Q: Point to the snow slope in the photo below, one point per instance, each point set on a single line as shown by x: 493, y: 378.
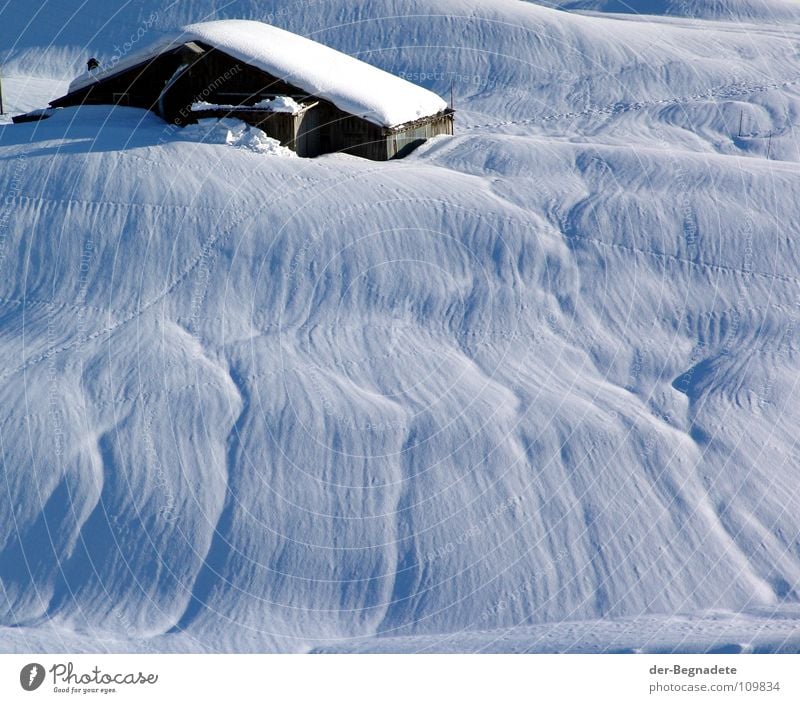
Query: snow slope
x: 531, y: 388
x: 772, y: 11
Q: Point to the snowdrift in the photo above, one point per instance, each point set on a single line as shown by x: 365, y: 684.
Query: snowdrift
x: 532, y: 388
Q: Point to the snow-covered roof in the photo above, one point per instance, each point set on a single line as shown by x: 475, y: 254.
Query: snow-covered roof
x: 352, y: 85
x: 280, y: 103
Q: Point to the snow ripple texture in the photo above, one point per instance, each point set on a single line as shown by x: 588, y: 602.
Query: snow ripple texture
x: 532, y: 388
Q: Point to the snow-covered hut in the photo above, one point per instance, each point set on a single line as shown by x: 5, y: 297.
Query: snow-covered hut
x: 312, y: 98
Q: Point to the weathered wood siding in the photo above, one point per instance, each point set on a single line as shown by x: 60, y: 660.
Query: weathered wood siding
x: 139, y: 86
x: 402, y: 142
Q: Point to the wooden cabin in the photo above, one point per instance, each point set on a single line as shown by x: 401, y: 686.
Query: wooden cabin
x: 313, y: 99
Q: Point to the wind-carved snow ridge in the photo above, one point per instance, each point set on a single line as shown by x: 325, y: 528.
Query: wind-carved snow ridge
x: 209, y: 572
x: 532, y: 388
x: 766, y: 11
